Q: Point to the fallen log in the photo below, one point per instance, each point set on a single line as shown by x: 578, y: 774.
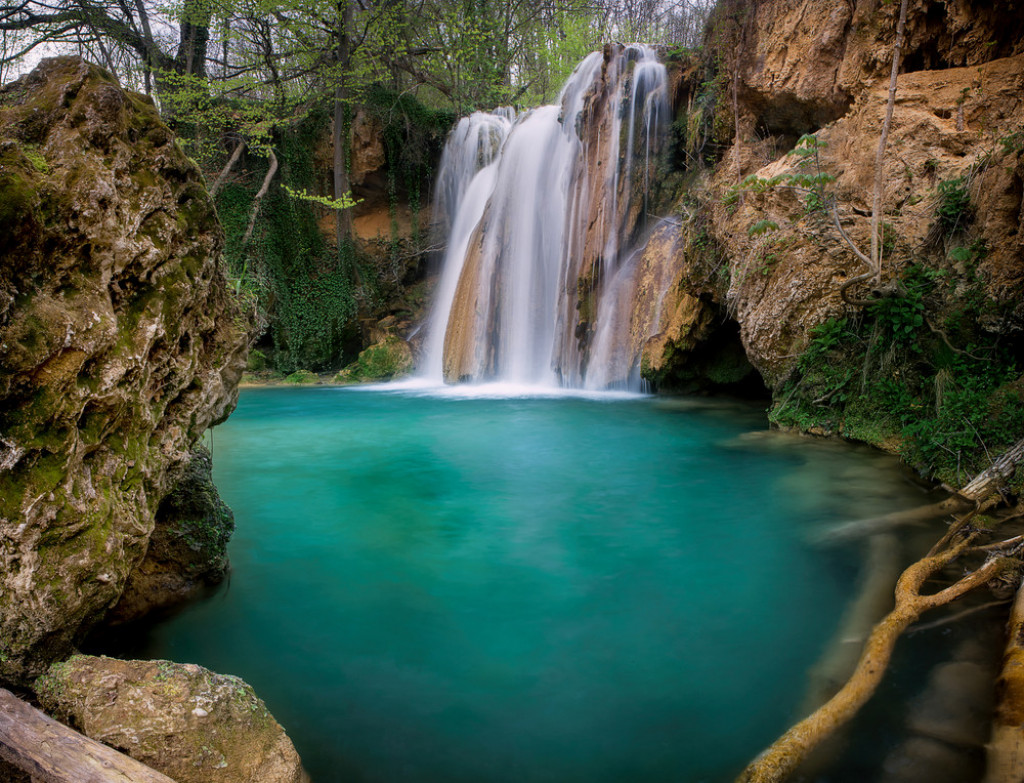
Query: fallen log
x: 879, y: 572
x: 990, y: 481
x: 872, y: 526
x: 52, y: 753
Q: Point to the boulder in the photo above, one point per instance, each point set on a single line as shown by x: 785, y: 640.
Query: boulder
x: 180, y: 719
x: 120, y: 343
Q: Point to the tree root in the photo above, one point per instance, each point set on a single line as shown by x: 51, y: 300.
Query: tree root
x: 780, y: 760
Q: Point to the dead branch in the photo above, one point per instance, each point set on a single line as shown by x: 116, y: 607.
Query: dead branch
x: 259, y: 197
x: 991, y: 480
x: 235, y: 155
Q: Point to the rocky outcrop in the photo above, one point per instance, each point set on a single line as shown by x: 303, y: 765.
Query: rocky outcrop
x: 802, y: 64
x: 690, y: 343
x: 948, y: 124
x: 386, y: 360
x: 119, y: 345
x: 181, y: 719
x: 188, y: 550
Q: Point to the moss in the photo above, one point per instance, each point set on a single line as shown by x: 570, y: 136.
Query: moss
x: 17, y: 201
x: 945, y: 403
x: 384, y: 361
x: 302, y: 377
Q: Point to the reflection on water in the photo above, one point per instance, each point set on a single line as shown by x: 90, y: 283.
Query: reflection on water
x: 613, y: 589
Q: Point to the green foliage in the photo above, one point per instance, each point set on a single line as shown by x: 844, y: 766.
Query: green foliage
x: 345, y: 202
x: 302, y: 285
x: 946, y: 396
x: 1013, y: 143
x: 954, y: 210
x: 257, y: 361
x: 35, y: 157
x: 381, y: 362
x: 825, y: 338
x: 413, y: 135
x: 808, y: 179
x: 302, y: 377
x: 899, y: 318
x: 762, y: 227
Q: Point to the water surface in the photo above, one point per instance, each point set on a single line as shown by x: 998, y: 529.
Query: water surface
x: 432, y: 589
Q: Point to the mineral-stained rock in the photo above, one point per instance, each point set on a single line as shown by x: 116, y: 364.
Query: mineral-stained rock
x: 188, y: 549
x: 803, y: 62
x: 119, y: 345
x: 181, y: 719
x: 948, y: 124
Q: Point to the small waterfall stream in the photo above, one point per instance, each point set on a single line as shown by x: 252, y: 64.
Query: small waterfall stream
x: 543, y: 213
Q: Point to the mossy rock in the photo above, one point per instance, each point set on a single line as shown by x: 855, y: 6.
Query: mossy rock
x: 300, y: 377
x: 194, y: 725
x: 120, y: 342
x: 389, y: 359
x: 188, y: 548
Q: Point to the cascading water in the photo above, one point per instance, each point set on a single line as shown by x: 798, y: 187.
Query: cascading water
x: 541, y: 214
x: 467, y: 176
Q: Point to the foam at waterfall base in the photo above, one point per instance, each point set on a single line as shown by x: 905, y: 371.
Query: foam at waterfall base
x: 492, y: 391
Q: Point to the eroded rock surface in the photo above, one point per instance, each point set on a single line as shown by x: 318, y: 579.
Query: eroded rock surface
x: 947, y: 124
x: 804, y: 63
x: 119, y: 345
x: 181, y: 719
x: 188, y: 550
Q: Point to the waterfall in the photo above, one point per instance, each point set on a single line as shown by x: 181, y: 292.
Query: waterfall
x: 467, y: 176
x: 543, y: 214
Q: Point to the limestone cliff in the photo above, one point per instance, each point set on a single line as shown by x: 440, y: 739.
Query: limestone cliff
x: 925, y: 362
x: 119, y: 346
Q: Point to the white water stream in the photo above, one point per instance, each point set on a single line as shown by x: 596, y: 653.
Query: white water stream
x: 531, y: 203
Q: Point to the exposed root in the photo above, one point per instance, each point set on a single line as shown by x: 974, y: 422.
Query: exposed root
x: 779, y: 761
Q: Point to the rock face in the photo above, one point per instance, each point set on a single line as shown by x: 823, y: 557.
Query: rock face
x: 188, y: 548
x: 180, y: 719
x: 691, y: 344
x: 947, y: 124
x: 119, y: 345
x: 801, y: 67
x: 804, y: 63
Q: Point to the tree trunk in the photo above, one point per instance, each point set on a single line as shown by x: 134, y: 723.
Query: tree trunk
x: 222, y: 177
x: 343, y: 217
x: 195, y: 37
x: 258, y: 198
x: 1006, y: 747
